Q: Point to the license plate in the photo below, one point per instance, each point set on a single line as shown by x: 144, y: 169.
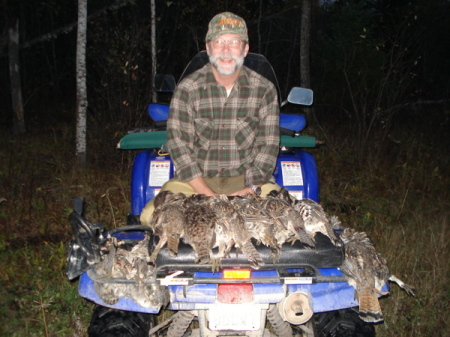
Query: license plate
x: 235, y: 317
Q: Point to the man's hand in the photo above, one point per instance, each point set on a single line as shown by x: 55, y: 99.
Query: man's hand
x: 242, y: 193
x: 199, y: 185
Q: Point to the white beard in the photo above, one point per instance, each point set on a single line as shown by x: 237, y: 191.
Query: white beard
x: 238, y: 62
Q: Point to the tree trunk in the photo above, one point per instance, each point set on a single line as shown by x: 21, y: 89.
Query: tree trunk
x: 14, y: 77
x: 153, y: 17
x: 305, y: 32
x: 259, y: 28
x: 305, y: 28
x: 81, y: 85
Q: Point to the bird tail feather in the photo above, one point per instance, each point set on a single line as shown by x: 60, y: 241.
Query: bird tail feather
x: 203, y: 254
x: 369, y: 306
x: 172, y: 246
x: 304, y: 238
x: 252, y: 255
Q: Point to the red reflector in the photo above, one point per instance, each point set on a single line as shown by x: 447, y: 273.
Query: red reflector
x: 236, y: 274
x: 235, y: 293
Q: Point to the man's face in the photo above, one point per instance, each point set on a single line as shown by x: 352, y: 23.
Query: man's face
x: 226, y: 53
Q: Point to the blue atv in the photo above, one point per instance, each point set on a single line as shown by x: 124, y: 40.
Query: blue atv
x: 304, y: 293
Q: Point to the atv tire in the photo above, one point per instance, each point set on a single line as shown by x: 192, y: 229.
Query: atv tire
x: 107, y: 322
x: 343, y: 323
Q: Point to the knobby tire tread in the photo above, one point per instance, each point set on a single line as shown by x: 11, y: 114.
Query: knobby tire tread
x: 107, y: 322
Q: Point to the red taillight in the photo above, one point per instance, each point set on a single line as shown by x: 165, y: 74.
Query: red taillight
x: 235, y: 293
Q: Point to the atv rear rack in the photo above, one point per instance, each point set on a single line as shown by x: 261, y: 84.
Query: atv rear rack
x: 278, y: 274
x: 177, y: 275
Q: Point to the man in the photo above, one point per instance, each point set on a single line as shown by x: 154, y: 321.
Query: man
x: 223, y: 126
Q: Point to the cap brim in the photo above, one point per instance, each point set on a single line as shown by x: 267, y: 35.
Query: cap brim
x: 223, y: 32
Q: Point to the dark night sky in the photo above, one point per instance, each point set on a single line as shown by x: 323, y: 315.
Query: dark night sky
x: 405, y: 38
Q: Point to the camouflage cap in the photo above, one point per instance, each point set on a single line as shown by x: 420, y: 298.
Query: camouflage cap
x: 226, y: 23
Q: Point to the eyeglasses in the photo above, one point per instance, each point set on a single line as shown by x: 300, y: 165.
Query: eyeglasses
x: 220, y: 43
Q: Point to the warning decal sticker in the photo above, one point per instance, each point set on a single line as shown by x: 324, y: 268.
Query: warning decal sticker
x: 159, y: 172
x: 292, y: 173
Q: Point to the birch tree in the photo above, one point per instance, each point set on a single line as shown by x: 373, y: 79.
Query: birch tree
x: 81, y: 84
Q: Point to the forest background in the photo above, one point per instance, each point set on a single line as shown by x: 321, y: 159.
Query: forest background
x: 380, y: 71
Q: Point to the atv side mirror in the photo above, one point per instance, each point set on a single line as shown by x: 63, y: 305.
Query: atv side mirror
x: 300, y: 96
x: 163, y: 83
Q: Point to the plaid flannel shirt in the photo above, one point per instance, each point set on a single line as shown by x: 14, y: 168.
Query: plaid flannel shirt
x: 210, y: 134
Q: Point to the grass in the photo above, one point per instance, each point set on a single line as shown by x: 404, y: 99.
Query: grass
x: 38, y: 299
x: 38, y: 184
x: 402, y: 202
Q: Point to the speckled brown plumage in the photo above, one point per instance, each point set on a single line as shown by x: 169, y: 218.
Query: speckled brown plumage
x: 288, y: 218
x: 316, y: 220
x: 231, y: 230
x: 122, y: 263
x: 131, y: 263
x: 167, y: 222
x: 258, y: 222
x: 199, y: 227
x: 282, y: 194
x: 367, y: 272
x: 108, y: 292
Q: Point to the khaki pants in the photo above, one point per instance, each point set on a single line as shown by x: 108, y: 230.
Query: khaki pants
x: 221, y: 185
